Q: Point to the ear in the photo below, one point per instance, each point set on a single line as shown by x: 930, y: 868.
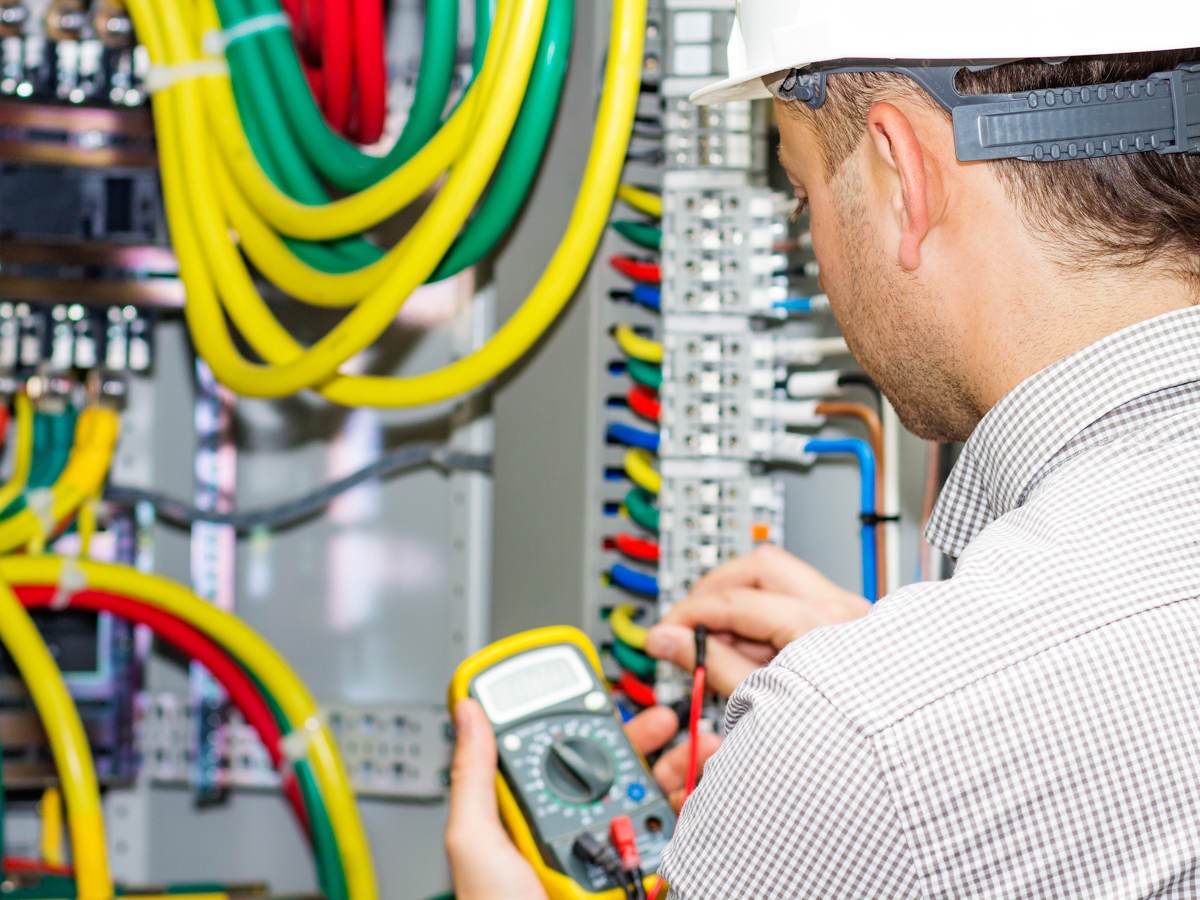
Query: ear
x: 902, y: 165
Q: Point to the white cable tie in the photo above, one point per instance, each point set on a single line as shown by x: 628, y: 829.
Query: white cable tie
x: 71, y: 580
x: 40, y: 502
x: 216, y: 41
x: 294, y: 745
x: 161, y: 76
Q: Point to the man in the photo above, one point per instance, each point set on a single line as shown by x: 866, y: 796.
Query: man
x: 1030, y: 726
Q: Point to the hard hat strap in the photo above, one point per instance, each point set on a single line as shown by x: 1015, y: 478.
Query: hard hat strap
x: 1159, y: 113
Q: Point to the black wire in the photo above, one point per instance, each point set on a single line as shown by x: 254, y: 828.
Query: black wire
x: 862, y: 379
x: 638, y: 879
x: 291, y: 512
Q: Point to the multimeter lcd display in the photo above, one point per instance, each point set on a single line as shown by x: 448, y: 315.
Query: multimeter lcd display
x: 532, y: 681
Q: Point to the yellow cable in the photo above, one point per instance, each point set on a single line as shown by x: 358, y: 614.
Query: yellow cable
x: 203, y: 243
x: 642, y: 201
x: 50, y: 808
x: 639, y: 466
x: 68, y: 744
x: 262, y: 660
x: 500, y: 82
x: 96, y: 434
x: 623, y: 626
x: 633, y: 344
x: 23, y: 456
x: 206, y: 253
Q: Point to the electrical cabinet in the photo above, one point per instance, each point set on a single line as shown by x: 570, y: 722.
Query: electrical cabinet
x: 376, y: 597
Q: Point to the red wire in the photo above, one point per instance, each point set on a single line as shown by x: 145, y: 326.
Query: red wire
x: 644, y: 401
x: 292, y: 9
x: 337, y: 63
x: 5, y: 419
x: 638, y: 548
x: 637, y: 270
x: 20, y: 864
x: 658, y: 884
x: 191, y: 642
x: 694, y: 732
x: 636, y: 690
x: 370, y: 59
x: 314, y: 20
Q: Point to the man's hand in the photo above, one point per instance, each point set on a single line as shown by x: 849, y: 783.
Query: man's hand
x: 753, y: 606
x: 484, y: 862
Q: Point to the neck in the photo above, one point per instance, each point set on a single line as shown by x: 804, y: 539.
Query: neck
x: 1043, y: 319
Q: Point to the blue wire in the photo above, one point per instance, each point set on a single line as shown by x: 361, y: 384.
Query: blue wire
x: 633, y: 437
x: 794, y: 304
x: 624, y: 711
x: 633, y: 580
x: 866, y: 468
x: 648, y: 296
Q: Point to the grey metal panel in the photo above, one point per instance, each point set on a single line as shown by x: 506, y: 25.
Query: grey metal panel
x: 547, y: 443
x: 359, y: 602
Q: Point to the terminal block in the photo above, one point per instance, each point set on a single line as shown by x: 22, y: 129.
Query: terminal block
x: 731, y: 136
x: 719, y: 245
x: 711, y: 512
x: 72, y: 337
x: 57, y: 50
x: 719, y: 379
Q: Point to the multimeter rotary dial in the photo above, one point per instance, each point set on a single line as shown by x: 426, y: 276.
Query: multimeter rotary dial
x: 578, y: 769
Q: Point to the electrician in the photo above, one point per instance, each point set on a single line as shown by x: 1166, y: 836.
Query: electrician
x: 1005, y: 205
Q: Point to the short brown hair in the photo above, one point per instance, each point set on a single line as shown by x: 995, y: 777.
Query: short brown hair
x: 1122, y: 211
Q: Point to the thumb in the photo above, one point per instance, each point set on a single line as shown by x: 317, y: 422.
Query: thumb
x: 472, y: 773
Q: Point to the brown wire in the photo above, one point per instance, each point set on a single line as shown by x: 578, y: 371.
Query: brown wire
x: 870, y: 420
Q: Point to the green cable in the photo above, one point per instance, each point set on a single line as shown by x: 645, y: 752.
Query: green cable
x: 644, y: 373
x: 510, y: 184
x: 632, y: 660
x: 267, y: 130
x: 331, y: 875
x: 640, y: 506
x: 278, y: 80
x: 640, y: 233
x: 53, y: 437
x: 514, y: 176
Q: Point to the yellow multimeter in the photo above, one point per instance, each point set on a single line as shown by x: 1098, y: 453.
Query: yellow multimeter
x: 566, y: 766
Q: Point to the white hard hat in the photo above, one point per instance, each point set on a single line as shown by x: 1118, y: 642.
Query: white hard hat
x: 778, y: 35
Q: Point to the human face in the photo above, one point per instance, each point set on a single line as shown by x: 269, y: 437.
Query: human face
x: 889, y: 316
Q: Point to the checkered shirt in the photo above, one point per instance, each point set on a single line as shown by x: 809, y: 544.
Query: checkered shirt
x: 1029, y: 727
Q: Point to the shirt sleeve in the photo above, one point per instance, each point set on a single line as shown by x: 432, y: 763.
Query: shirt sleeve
x: 794, y: 804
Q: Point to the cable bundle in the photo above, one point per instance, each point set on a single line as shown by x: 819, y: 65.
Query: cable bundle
x: 253, y: 155
x: 262, y: 685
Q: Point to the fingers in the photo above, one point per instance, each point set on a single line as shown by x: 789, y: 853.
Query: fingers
x: 650, y: 729
x: 726, y: 666
x: 747, y: 613
x: 768, y: 568
x: 671, y: 769
x: 766, y: 617
x: 472, y: 780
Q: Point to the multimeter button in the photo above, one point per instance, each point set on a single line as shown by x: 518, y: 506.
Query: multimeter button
x: 512, y: 743
x: 636, y: 792
x: 595, y: 701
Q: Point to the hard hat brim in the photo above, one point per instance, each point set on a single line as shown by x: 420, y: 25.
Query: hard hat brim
x: 746, y: 86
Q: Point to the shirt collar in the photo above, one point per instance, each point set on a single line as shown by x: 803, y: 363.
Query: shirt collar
x: 1021, y: 434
